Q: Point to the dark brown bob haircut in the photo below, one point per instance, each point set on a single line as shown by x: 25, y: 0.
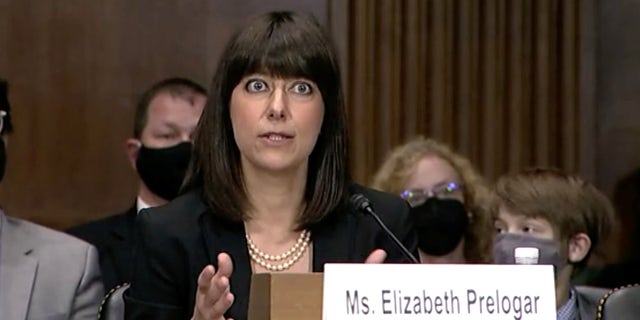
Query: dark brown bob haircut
x: 281, y: 44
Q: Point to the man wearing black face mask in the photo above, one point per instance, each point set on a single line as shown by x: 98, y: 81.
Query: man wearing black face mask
x: 165, y: 119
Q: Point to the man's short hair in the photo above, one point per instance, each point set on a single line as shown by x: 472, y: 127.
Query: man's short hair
x: 177, y: 87
x: 570, y: 204
x: 4, y: 106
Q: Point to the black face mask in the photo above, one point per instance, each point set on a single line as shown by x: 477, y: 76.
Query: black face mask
x: 441, y: 224
x: 3, y: 158
x: 164, y: 169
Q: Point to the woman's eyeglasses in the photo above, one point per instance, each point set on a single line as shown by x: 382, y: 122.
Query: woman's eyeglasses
x: 443, y: 190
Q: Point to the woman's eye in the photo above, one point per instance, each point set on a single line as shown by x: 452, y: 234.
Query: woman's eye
x: 302, y: 88
x: 527, y: 229
x: 256, y: 86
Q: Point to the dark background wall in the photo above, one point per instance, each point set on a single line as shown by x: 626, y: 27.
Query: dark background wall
x: 508, y: 83
x: 618, y: 103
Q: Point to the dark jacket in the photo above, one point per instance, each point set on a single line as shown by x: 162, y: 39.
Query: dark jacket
x: 113, y: 237
x: 178, y: 240
x: 587, y: 299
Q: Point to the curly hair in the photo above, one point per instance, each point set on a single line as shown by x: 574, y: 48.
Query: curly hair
x: 400, y: 165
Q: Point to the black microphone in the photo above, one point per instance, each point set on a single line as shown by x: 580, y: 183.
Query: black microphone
x: 362, y: 203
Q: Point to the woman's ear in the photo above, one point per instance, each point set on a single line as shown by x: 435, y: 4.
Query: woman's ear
x: 579, y: 246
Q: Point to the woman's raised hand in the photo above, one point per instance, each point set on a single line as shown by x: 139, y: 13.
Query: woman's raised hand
x: 214, y: 296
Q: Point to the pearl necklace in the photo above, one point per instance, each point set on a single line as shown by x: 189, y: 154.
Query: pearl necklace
x: 281, y: 261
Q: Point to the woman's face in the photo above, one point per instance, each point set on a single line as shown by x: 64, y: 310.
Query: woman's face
x: 433, y: 176
x: 276, y: 121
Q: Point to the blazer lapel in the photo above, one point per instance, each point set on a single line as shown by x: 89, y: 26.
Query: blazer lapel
x: 17, y: 271
x: 586, y: 307
x: 221, y: 236
x: 334, y: 240
x: 122, y: 242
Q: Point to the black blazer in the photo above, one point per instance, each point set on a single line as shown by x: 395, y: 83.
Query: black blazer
x: 113, y: 237
x: 178, y: 240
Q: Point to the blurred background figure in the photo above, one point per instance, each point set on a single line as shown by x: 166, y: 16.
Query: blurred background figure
x: 624, y: 268
x: 448, y: 199
x: 159, y: 151
x: 44, y: 274
x: 5, y: 113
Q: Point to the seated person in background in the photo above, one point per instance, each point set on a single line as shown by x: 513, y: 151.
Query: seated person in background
x: 430, y: 176
x: 44, y: 274
x: 564, y: 217
x: 160, y: 149
x: 268, y: 188
x: 626, y: 270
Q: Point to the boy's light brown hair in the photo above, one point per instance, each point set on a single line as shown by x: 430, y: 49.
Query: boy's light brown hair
x: 400, y: 165
x: 570, y: 204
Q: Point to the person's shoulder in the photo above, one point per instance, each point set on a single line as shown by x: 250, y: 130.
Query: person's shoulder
x: 381, y: 201
x: 183, y: 211
x: 44, y: 236
x: 66, y: 263
x: 392, y: 209
x: 587, y: 300
x: 98, y: 228
x: 395, y: 215
x: 590, y: 294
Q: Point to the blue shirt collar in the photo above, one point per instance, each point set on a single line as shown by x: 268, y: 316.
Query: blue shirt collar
x: 569, y: 310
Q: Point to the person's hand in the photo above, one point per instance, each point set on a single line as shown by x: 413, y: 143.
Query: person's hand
x: 214, y: 296
x: 377, y: 256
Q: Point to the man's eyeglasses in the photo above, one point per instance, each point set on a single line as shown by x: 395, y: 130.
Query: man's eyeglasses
x: 2, y: 115
x: 443, y: 190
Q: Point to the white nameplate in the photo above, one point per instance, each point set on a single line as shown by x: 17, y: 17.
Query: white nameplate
x: 437, y: 291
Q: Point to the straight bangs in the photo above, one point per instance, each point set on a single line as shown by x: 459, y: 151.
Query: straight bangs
x: 284, y: 47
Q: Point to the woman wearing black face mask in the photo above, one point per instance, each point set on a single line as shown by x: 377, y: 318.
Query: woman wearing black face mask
x: 448, y: 200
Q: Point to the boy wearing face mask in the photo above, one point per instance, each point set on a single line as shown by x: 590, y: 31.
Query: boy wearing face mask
x: 159, y: 151
x: 564, y: 218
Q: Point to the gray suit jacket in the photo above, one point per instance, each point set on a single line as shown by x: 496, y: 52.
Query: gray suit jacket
x: 46, y: 274
x: 587, y: 299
